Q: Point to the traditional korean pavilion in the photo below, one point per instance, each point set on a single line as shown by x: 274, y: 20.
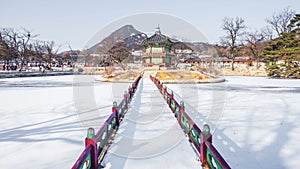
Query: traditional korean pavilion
x: 158, y: 50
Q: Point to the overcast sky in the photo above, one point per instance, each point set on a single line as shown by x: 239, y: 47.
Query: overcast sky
x: 75, y: 22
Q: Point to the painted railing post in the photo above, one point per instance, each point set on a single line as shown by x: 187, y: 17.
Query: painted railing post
x: 164, y: 91
x: 133, y: 85
x: 171, y: 95
x: 89, y: 140
x: 115, y: 109
x: 160, y: 86
x: 126, y: 100
x: 205, y: 136
x: 181, y: 110
x: 129, y: 91
x: 169, y: 98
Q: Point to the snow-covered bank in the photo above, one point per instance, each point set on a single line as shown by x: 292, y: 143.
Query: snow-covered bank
x: 258, y: 125
x: 32, y: 74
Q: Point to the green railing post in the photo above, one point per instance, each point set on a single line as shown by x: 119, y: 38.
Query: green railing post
x: 205, y: 136
x: 89, y: 140
x: 169, y: 95
x: 182, y: 104
x: 90, y: 133
x: 181, y: 110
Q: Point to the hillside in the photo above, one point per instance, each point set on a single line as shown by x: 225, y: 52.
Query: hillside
x: 199, y: 47
x: 127, y: 34
x: 132, y: 38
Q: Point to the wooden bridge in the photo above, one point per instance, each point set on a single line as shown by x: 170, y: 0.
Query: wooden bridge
x: 149, y: 129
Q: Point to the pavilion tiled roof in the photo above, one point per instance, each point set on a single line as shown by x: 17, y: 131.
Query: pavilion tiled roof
x: 157, y: 38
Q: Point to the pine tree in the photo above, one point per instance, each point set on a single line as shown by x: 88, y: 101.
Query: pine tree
x: 282, y: 55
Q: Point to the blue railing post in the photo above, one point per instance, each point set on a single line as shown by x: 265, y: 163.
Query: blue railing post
x: 89, y: 140
x: 205, y: 136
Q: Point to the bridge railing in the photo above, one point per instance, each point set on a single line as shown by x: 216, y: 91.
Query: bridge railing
x: 202, y: 140
x: 96, y: 145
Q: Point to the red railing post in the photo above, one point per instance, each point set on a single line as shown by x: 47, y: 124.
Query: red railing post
x: 160, y: 86
x: 204, y: 136
x: 89, y: 140
x: 115, y: 109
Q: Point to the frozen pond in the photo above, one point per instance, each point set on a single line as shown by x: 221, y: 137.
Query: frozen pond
x: 44, y: 119
x: 254, y: 119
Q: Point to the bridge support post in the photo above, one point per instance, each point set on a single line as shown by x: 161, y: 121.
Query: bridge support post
x: 205, y: 136
x: 89, y: 140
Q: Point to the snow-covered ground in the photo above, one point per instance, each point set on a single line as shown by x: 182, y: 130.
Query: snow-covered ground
x: 44, y: 119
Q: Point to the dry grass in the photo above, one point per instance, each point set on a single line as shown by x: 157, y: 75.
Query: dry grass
x: 183, y: 77
x: 126, y: 76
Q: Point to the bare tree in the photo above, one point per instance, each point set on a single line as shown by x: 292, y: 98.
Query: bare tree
x: 38, y: 51
x: 18, y: 43
x: 10, y: 37
x: 118, y: 53
x: 87, y: 58
x: 220, y: 50
x: 279, y: 21
x: 50, y: 52
x: 255, y: 40
x: 233, y: 28
x: 4, y: 48
x: 267, y: 32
